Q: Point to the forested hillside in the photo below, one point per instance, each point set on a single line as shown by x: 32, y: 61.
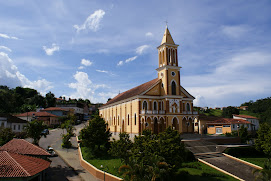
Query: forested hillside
x: 20, y: 99
x: 261, y: 107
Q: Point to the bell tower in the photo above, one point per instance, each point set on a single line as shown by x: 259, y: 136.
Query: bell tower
x: 168, y: 70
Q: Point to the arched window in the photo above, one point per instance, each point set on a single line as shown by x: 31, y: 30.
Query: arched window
x: 173, y: 88
x: 163, y: 57
x: 128, y: 119
x: 155, y: 106
x: 168, y: 54
x: 145, y: 105
x: 114, y: 121
x: 135, y: 119
x: 160, y: 59
x: 187, y: 106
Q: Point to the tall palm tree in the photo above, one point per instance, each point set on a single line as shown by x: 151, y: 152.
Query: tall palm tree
x: 34, y: 129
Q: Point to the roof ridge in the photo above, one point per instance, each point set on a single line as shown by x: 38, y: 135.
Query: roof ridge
x: 18, y: 163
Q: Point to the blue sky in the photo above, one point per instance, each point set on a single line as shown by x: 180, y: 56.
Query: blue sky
x: 96, y: 49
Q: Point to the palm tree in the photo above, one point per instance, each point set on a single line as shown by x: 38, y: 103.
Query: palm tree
x: 34, y: 129
x: 265, y: 173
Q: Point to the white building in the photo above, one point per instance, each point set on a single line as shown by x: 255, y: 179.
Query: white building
x: 253, y: 120
x: 9, y: 121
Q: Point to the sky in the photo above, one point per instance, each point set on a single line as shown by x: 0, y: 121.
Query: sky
x: 97, y: 49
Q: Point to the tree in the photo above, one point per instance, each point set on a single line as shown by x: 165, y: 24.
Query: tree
x: 243, y: 134
x: 95, y: 135
x: 50, y: 99
x: 68, y: 125
x: 229, y: 111
x: 263, y: 141
x: 33, y: 130
x: 121, y: 148
x: 265, y: 173
x: 6, y: 135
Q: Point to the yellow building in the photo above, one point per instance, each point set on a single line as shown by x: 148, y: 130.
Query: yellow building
x: 156, y: 104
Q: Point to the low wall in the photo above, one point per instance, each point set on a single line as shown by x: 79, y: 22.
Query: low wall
x: 99, y: 174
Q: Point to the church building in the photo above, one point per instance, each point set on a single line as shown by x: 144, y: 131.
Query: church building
x: 157, y: 104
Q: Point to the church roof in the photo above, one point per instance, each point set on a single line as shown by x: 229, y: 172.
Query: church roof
x: 167, y: 38
x: 132, y: 92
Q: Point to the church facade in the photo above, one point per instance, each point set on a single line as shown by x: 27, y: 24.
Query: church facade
x: 157, y: 104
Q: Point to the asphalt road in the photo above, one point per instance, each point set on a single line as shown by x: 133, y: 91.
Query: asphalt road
x: 59, y: 170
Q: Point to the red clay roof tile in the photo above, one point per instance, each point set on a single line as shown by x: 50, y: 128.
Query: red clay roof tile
x: 22, y: 146
x: 16, y: 165
x: 245, y: 116
x: 228, y: 121
x: 38, y: 114
x: 132, y: 92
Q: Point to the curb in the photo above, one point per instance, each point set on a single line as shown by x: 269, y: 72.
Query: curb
x: 243, y: 161
x: 219, y: 169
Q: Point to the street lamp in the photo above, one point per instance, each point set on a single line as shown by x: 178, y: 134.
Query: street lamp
x: 106, y: 167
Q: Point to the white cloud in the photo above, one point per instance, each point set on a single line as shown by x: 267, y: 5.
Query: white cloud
x: 5, y: 48
x: 92, y: 22
x: 244, y: 74
x: 8, y: 37
x: 11, y: 77
x: 120, y: 63
x: 86, y: 62
x: 149, y: 34
x: 50, y: 51
x: 81, y: 67
x: 235, y: 31
x: 102, y: 71
x: 84, y: 87
x: 142, y: 49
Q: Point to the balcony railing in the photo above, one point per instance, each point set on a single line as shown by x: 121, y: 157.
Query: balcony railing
x: 152, y: 112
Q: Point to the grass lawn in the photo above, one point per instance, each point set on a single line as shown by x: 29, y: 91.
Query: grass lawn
x: 113, y: 164
x: 200, y: 171
x: 257, y: 161
x: 248, y: 113
x: 214, y: 112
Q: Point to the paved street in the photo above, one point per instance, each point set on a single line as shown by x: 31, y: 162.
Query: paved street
x: 60, y: 169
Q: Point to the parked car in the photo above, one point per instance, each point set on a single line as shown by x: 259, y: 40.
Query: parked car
x: 45, y: 132
x: 51, y: 151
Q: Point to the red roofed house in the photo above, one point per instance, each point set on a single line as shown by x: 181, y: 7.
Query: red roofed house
x: 17, y: 167
x: 47, y: 118
x: 23, y: 147
x: 18, y: 161
x: 157, y: 104
x: 253, y: 120
x: 58, y: 111
x: 226, y: 125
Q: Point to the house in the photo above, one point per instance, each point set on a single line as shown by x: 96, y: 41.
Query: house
x: 48, y: 118
x: 200, y: 125
x: 21, y: 160
x: 58, y: 111
x: 226, y: 125
x: 9, y: 121
x: 243, y: 108
x: 77, y: 109
x: 154, y: 105
x: 23, y: 147
x: 253, y: 120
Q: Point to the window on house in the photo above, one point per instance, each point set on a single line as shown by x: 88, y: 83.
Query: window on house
x: 14, y: 127
x: 128, y: 119
x: 2, y: 124
x: 173, y: 88
x: 135, y: 119
x: 233, y: 126
x: 19, y: 127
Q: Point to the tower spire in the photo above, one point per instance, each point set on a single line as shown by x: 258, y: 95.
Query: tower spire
x: 167, y: 38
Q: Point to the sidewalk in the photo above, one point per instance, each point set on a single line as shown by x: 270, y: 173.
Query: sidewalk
x: 71, y: 158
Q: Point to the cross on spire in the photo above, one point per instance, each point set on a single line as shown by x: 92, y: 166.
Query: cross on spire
x: 166, y: 22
